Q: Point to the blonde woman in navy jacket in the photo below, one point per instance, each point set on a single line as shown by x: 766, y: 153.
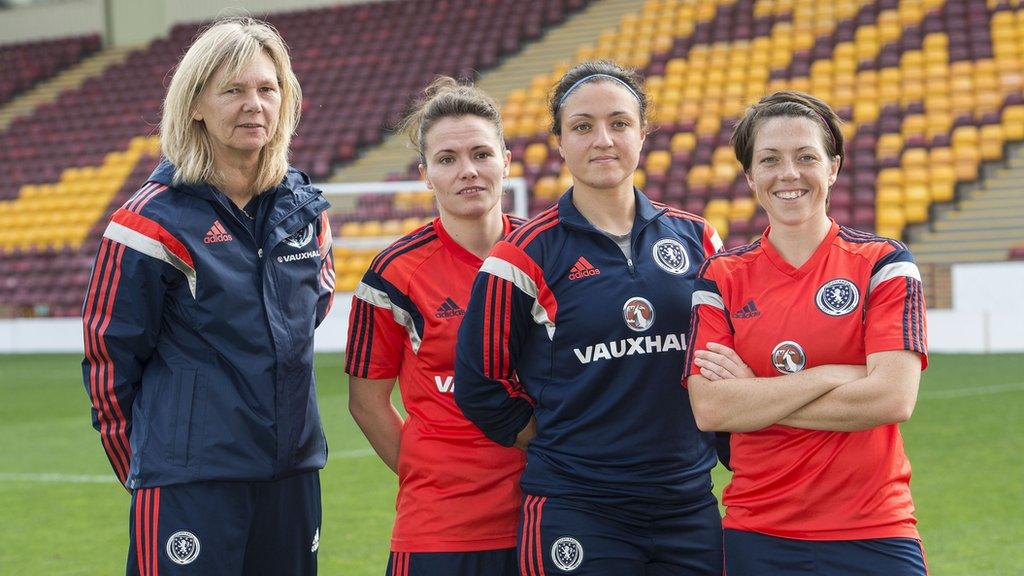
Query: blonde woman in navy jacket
x: 199, y: 324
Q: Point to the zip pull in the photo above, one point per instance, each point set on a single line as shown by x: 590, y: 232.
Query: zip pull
x: 259, y: 252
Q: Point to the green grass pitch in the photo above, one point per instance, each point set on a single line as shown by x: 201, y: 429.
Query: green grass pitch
x: 62, y: 512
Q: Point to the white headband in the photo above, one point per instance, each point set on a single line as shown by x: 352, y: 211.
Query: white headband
x: 561, y: 101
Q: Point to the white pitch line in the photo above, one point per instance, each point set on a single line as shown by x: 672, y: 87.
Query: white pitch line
x: 972, y: 391
x: 57, y: 478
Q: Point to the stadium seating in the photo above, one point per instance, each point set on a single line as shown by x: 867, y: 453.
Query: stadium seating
x: 929, y: 89
x: 358, y: 65
x: 27, y: 64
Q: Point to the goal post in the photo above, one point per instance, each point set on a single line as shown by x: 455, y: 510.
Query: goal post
x: 348, y: 199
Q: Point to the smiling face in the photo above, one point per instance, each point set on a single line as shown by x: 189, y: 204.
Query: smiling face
x: 601, y: 136
x: 790, y: 172
x: 240, y: 114
x: 465, y: 166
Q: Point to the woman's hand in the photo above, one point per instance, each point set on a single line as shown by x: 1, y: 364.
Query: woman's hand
x: 719, y: 362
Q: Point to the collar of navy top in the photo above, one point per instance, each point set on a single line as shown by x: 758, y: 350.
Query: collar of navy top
x: 570, y: 216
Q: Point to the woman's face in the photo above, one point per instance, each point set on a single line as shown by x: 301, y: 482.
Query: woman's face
x: 602, y: 134
x: 465, y: 166
x: 790, y: 172
x: 240, y: 114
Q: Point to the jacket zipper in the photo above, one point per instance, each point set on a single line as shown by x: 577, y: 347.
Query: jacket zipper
x: 231, y: 213
x: 630, y: 264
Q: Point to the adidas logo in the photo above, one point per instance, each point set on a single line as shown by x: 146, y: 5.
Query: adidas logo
x: 217, y: 233
x: 582, y: 269
x: 449, y: 309
x: 749, y: 310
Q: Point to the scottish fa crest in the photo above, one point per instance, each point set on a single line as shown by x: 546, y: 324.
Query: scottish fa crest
x: 182, y: 547
x: 300, y: 238
x: 567, y: 553
x: 837, y: 297
x: 670, y: 256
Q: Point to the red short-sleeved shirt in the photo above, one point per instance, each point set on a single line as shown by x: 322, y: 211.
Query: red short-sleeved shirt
x: 857, y: 294
x: 458, y: 490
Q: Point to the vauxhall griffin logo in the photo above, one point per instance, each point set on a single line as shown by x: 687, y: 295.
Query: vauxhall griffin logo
x: 789, y: 357
x: 638, y: 314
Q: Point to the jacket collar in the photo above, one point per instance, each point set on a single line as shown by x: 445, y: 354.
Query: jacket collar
x: 646, y: 211
x: 295, y: 182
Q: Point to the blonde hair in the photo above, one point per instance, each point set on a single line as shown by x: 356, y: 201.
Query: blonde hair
x: 231, y: 44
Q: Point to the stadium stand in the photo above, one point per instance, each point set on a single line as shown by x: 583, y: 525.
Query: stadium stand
x: 27, y: 64
x: 932, y: 91
x: 929, y: 89
x: 358, y: 65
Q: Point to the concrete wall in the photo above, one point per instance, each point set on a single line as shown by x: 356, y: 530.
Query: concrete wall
x: 130, y: 22
x: 52, y: 20
x: 988, y: 316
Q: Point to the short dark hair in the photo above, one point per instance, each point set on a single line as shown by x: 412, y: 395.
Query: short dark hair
x: 445, y: 97
x: 631, y: 78
x: 788, y: 104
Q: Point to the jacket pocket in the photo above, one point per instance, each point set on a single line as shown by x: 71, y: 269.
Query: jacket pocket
x: 185, y: 386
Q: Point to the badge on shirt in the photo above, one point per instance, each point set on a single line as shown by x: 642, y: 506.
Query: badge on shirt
x: 670, y: 256
x: 837, y: 297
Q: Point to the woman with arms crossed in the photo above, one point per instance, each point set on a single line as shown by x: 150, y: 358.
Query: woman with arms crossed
x: 573, y: 344
x: 458, y: 493
x: 199, y: 323
x: 808, y: 346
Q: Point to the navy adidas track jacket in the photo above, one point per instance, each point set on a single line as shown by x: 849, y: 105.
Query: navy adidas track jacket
x: 199, y: 334
x: 563, y: 326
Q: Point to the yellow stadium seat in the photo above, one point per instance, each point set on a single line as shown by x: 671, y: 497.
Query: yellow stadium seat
x: 890, y: 177
x: 698, y: 176
x: 966, y: 170
x: 914, y: 158
x: 914, y: 125
x: 742, y: 209
x: 1013, y: 122
x: 915, y: 176
x: 535, y: 154
x: 889, y: 145
x: 515, y: 169
x: 865, y: 111
x: 373, y: 228
x: 639, y: 178
x: 891, y: 216
x: 717, y: 208
x: 350, y: 229
x: 709, y: 125
x: 564, y: 182
x: 686, y: 141
x: 916, y: 212
x: 888, y: 196
x: 942, y: 183
x: 546, y: 187
x: 991, y: 142
x: 409, y: 224
x: 721, y: 225
x: 723, y: 174
x: 658, y: 162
